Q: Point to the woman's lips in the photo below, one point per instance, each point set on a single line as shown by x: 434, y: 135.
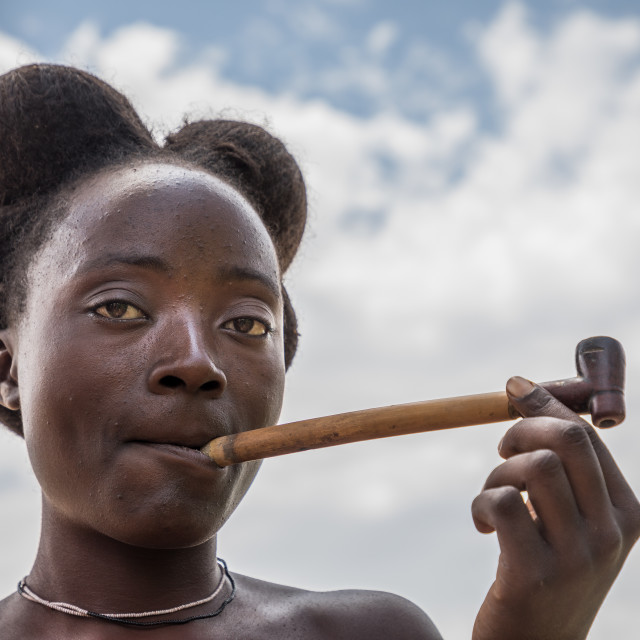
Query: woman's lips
x: 181, y: 451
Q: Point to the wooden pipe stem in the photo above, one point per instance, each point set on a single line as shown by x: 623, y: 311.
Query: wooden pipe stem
x: 356, y: 426
x: 598, y: 389
x: 369, y: 424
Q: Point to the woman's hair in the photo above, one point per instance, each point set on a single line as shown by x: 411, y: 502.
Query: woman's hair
x: 60, y: 125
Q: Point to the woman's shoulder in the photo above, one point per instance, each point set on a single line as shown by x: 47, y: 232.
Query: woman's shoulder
x: 353, y: 614
x: 10, y: 618
x: 7, y: 605
x: 267, y: 610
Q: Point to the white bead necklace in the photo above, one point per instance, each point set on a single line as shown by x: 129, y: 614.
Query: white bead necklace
x: 129, y: 618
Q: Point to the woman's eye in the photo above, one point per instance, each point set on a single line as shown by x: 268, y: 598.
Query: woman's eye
x: 247, y: 326
x: 119, y: 311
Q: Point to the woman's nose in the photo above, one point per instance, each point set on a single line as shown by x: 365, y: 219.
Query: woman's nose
x: 188, y: 365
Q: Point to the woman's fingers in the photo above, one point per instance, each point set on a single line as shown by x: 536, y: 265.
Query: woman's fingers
x: 556, y: 566
x: 502, y: 510
x: 573, y: 451
x: 542, y: 474
x: 592, y: 472
x: 532, y: 400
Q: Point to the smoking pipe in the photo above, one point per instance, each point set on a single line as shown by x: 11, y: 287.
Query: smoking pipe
x: 598, y: 389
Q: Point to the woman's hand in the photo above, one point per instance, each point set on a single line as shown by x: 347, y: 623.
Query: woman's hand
x: 561, y: 552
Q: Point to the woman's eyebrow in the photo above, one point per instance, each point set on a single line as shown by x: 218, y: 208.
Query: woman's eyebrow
x: 146, y: 261
x: 248, y: 274
x: 155, y: 263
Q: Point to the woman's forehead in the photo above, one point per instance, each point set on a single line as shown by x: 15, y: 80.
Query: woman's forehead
x: 160, y: 207
x: 117, y: 187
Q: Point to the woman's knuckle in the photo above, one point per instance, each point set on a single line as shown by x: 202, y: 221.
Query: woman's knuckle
x: 507, y: 501
x: 540, y: 401
x: 572, y: 435
x: 491, y: 482
x: 545, y: 462
x: 628, y: 519
x: 608, y: 545
x: 478, y: 504
x: 632, y: 521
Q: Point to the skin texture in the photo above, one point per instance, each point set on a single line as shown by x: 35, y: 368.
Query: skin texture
x: 153, y: 323
x: 174, y: 372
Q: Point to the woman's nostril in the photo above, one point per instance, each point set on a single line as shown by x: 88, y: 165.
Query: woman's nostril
x: 175, y: 382
x: 172, y: 382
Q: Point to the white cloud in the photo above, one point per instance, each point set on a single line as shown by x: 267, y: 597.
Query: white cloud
x: 13, y: 52
x: 381, y: 37
x: 80, y: 48
x: 442, y: 257
x: 511, y: 50
x: 311, y: 21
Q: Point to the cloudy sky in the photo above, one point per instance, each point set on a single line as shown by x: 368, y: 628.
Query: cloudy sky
x: 472, y: 170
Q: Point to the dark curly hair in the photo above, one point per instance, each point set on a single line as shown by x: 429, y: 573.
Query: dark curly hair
x: 60, y: 125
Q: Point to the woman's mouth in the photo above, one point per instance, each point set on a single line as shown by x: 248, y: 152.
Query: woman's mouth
x: 192, y: 454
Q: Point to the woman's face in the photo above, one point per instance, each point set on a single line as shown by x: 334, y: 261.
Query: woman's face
x: 153, y: 323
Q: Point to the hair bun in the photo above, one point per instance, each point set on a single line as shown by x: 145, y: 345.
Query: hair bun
x: 56, y: 122
x: 259, y: 166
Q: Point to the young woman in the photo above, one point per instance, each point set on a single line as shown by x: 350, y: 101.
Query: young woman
x: 142, y: 314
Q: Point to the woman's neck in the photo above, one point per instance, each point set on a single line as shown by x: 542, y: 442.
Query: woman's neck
x: 83, y: 567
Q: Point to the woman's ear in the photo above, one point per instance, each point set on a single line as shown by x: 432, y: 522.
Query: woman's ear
x: 9, y: 393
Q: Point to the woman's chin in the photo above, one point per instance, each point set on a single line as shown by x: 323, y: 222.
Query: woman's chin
x: 177, y: 534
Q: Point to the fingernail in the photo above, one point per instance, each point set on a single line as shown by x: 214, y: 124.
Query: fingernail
x: 519, y: 387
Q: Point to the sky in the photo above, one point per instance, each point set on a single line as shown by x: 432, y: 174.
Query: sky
x: 472, y: 176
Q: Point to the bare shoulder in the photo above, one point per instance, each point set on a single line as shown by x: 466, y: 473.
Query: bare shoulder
x: 372, y: 615
x: 10, y: 618
x: 7, y: 606
x: 349, y: 614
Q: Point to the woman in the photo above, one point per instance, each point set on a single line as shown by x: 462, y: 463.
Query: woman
x: 143, y: 314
